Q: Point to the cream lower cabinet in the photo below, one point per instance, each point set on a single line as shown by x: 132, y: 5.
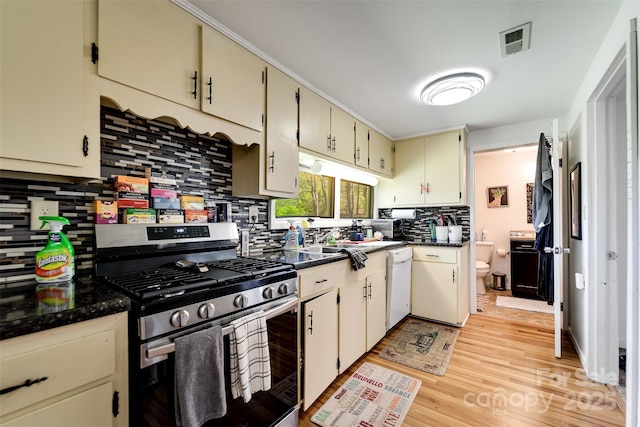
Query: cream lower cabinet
x: 431, y: 170
x: 50, y: 108
x: 318, y: 330
x: 85, y: 366
x: 439, y: 284
x: 362, y: 309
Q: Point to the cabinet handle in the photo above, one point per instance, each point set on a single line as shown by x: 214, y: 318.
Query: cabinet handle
x: 27, y: 383
x: 432, y: 255
x: 210, y: 84
x: 381, y: 163
x: 358, y: 154
x: 453, y: 275
x: 364, y: 291
x: 195, y: 85
x: 328, y: 142
x: 320, y: 281
x: 85, y: 145
x: 311, y: 323
x: 273, y: 161
x: 333, y: 147
x: 369, y: 290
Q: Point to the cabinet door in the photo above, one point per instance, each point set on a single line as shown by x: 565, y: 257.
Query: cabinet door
x: 152, y: 46
x: 315, y: 122
x: 434, y: 291
x: 342, y: 135
x: 89, y: 408
x: 352, y: 313
x: 409, y: 173
x: 380, y: 153
x: 376, y: 308
x: 232, y: 81
x: 442, y: 168
x: 47, y: 106
x: 281, y: 130
x: 361, y: 153
x: 320, y: 324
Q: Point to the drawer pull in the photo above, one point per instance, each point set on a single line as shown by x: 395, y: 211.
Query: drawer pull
x: 320, y: 281
x: 432, y: 255
x: 27, y: 383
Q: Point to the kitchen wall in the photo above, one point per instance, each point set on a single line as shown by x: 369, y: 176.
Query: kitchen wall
x: 513, y: 169
x: 129, y: 145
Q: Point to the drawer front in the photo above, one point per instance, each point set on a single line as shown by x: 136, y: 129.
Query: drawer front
x: 317, y: 279
x: 375, y: 262
x: 435, y: 254
x: 68, y: 365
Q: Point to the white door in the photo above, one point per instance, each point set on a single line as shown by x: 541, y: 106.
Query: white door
x: 558, y: 249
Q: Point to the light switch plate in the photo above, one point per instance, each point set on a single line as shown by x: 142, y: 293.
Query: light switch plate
x: 42, y: 208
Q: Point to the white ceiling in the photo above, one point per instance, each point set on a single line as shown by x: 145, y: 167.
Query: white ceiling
x: 373, y: 57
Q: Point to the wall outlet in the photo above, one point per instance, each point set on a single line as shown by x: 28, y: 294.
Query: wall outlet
x: 253, y: 214
x: 42, y: 208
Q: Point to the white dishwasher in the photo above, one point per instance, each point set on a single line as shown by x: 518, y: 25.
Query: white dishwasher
x: 398, y: 285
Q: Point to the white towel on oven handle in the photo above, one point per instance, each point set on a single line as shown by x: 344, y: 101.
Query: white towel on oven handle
x: 249, y: 360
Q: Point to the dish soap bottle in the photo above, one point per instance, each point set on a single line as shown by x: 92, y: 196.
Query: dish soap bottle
x: 55, y: 262
x: 291, y: 238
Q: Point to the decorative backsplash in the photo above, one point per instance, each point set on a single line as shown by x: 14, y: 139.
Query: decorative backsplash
x: 415, y: 229
x: 130, y: 145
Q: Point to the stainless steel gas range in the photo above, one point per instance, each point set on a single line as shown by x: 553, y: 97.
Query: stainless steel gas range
x: 185, y: 278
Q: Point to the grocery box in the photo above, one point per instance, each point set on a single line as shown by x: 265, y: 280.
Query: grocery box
x: 192, y: 202
x: 130, y: 203
x: 170, y: 216
x: 140, y: 216
x: 131, y: 183
x: 168, y: 194
x: 106, y: 212
x: 165, y: 203
x: 195, y: 215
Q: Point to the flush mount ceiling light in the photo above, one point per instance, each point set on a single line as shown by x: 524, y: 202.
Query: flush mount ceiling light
x: 452, y: 88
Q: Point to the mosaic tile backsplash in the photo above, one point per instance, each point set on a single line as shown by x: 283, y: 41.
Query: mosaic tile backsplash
x: 129, y: 144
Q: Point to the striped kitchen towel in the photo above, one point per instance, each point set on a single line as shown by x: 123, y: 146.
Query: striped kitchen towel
x: 249, y: 360
x: 356, y: 256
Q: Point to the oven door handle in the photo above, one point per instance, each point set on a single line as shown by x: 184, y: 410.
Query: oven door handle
x: 170, y: 347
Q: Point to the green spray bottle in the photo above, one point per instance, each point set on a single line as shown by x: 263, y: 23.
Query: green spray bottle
x: 56, y: 262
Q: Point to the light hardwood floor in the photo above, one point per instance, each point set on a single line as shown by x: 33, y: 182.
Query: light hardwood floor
x: 502, y: 373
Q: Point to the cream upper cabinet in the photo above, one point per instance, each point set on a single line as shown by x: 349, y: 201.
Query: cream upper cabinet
x: 152, y: 46
x: 233, y: 81
x: 49, y: 108
x: 430, y: 170
x: 324, y: 128
x: 361, y: 153
x: 271, y: 168
x: 380, y: 154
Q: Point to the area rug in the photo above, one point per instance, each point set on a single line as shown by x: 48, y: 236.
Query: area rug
x: 482, y: 301
x: 372, y: 397
x: 524, y: 304
x: 422, y: 345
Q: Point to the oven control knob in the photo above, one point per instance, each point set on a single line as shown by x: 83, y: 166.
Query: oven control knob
x: 179, y: 318
x: 268, y: 293
x: 284, y: 289
x: 205, y: 311
x: 239, y: 301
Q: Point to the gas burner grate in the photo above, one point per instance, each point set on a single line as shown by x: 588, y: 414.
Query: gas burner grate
x: 255, y: 267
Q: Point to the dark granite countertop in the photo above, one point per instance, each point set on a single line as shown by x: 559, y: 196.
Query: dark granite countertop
x: 21, y: 313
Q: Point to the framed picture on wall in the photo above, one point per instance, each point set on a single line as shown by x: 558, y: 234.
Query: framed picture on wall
x: 575, y: 187
x: 498, y: 196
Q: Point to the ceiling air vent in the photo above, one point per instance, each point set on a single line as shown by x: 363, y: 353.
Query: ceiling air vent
x: 515, y: 39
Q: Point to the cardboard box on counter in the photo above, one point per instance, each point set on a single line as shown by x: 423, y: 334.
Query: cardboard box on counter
x: 168, y: 194
x: 130, y: 199
x: 170, y: 216
x: 139, y: 216
x: 106, y: 212
x: 195, y: 215
x: 192, y: 202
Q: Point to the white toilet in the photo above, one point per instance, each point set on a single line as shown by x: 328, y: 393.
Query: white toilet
x: 484, y: 250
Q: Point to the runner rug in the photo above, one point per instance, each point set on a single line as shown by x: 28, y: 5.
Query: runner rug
x: 524, y: 304
x: 422, y: 345
x: 372, y: 397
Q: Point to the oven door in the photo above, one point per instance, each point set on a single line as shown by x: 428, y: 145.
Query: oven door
x: 275, y: 407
